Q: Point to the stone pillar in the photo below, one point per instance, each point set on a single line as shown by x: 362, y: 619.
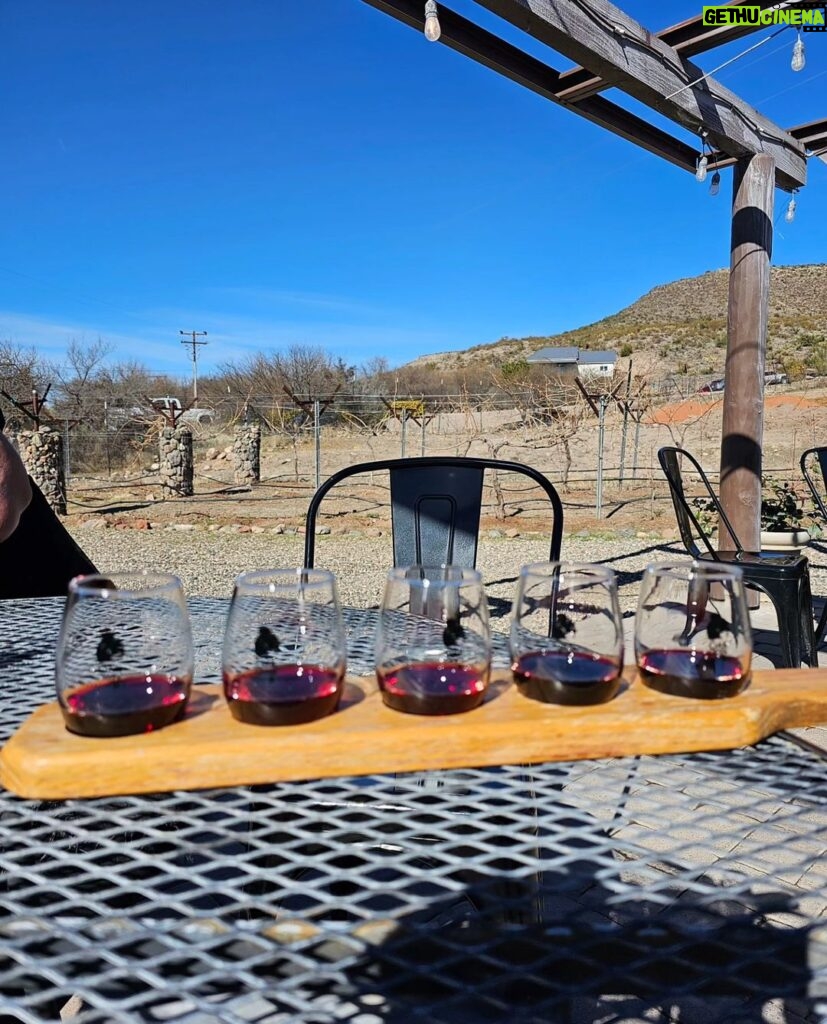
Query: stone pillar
x: 247, y: 453
x: 42, y: 452
x: 175, y: 461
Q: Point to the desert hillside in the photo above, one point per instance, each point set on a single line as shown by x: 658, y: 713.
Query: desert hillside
x: 681, y: 326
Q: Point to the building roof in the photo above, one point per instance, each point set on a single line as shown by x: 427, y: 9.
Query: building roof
x: 554, y: 355
x: 571, y: 354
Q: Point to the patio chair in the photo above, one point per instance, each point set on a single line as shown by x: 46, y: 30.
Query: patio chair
x: 784, y: 578
x: 436, y: 503
x: 819, y: 494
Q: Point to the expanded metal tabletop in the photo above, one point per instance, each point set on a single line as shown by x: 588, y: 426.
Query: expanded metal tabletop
x: 673, y: 888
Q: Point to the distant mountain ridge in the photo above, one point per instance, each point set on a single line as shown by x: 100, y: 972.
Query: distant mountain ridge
x: 681, y: 326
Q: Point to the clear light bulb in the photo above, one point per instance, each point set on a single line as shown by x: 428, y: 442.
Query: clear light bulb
x: 715, y: 184
x: 700, y: 168
x: 432, y: 29
x: 789, y: 216
x: 799, y: 60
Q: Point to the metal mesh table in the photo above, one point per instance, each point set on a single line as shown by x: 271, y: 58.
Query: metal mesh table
x: 685, y: 889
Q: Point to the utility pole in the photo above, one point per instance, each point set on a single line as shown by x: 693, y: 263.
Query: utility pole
x: 194, y: 345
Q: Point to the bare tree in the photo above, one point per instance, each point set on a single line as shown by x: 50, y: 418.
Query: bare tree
x: 79, y: 382
x: 21, y: 372
x: 303, y: 370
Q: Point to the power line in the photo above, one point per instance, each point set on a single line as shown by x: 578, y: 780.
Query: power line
x: 194, y: 345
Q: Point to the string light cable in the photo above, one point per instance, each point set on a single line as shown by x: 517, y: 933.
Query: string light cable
x: 726, y: 64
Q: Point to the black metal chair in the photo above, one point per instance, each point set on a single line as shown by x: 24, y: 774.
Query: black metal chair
x: 784, y: 578
x: 436, y: 503
x: 819, y: 493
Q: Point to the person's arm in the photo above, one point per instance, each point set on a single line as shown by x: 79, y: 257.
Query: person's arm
x: 15, y: 489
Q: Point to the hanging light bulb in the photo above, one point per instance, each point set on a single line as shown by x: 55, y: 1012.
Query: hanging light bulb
x: 799, y: 60
x: 432, y: 29
x: 700, y: 168
x: 715, y: 184
x: 789, y: 216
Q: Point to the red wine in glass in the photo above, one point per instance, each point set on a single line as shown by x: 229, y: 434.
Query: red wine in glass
x: 283, y: 694
x: 688, y: 673
x: 433, y: 688
x: 126, y: 705
x: 567, y: 677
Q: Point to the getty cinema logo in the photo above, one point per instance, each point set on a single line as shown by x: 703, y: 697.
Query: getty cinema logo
x: 807, y: 17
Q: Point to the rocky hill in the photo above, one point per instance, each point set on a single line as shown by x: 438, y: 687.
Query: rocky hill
x: 681, y: 327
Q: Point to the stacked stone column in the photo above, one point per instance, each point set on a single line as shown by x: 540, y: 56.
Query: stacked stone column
x: 175, y: 462
x: 42, y: 452
x: 247, y: 453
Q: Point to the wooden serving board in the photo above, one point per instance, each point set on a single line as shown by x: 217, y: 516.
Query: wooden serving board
x: 208, y: 748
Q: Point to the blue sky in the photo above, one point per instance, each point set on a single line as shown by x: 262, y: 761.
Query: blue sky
x: 317, y: 173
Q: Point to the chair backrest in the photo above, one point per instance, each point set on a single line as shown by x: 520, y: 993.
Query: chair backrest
x: 819, y: 493
x: 671, y: 462
x: 436, y: 503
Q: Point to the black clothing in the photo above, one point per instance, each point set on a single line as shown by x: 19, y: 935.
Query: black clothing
x: 40, y: 557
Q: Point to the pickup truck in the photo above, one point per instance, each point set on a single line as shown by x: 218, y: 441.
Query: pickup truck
x: 195, y: 415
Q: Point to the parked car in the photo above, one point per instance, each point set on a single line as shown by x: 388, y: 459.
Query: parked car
x: 169, y: 404
x: 713, y: 385
x: 202, y: 416
x: 166, y: 404
x: 120, y: 413
x: 776, y: 378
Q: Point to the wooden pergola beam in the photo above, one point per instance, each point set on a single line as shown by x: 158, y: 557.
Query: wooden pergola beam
x: 688, y: 38
x: 485, y: 48
x: 606, y: 40
x: 813, y: 136
x: 491, y: 51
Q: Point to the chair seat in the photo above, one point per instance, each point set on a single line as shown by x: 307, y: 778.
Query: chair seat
x: 778, y: 560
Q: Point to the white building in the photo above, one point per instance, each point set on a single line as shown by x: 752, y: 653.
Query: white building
x: 566, y: 362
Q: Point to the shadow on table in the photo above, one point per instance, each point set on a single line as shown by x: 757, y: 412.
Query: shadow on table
x: 593, y: 956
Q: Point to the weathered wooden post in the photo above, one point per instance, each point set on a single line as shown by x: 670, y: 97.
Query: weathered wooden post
x: 743, y: 412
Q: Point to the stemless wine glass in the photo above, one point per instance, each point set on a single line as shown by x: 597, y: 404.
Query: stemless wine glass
x: 124, y: 659
x: 285, y: 649
x: 566, y: 633
x: 433, y: 646
x: 692, y: 629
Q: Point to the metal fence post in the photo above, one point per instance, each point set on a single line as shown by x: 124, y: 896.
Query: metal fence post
x: 600, y: 432
x: 637, y: 441
x: 422, y: 446
x: 317, y: 436
x: 404, y: 429
x: 625, y: 425
x: 106, y: 438
x: 66, y: 454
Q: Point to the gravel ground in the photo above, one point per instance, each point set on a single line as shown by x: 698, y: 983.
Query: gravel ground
x: 208, y: 562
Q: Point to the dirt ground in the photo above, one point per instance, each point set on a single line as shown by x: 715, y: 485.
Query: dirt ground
x: 794, y: 420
